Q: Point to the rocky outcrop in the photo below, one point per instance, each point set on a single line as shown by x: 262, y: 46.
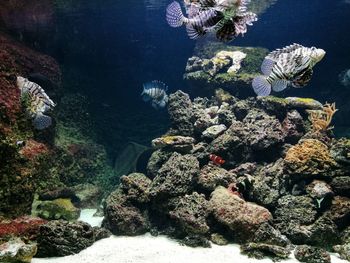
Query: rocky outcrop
x: 218, y: 65
x: 61, y: 238
x: 16, y: 251
x: 242, y: 217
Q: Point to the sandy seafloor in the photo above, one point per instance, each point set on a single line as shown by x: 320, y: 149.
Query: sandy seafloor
x: 149, y: 249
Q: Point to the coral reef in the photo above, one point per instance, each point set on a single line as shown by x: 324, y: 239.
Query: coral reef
x: 321, y: 120
x: 217, y: 65
x: 277, y: 186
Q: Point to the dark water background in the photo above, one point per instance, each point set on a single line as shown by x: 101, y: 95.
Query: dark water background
x: 107, y: 49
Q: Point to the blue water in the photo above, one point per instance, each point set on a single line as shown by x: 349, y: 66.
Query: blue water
x: 107, y: 49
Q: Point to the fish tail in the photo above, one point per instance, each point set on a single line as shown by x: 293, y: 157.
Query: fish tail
x: 42, y: 121
x: 261, y: 86
x: 174, y: 15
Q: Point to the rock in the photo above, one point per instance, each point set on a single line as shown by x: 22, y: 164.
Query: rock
x: 319, y: 190
x: 60, y: 238
x: 177, y: 143
x: 339, y: 211
x: 226, y: 115
x: 268, y: 183
x: 341, y: 185
x: 230, y: 144
x: 218, y: 65
x: 55, y: 209
x: 310, y: 254
x: 16, y: 251
x: 157, y: 159
x: 176, y: 177
x: 218, y: 239
x: 212, y: 176
x: 309, y: 158
x: 101, y: 233
x: 136, y: 186
x: 89, y: 195
x: 293, y: 126
x: 123, y: 218
x: 258, y: 250
x: 180, y: 114
x: 241, y: 217
x: 214, y: 131
x: 343, y: 251
x: 262, y: 130
x: 303, y: 103
x: 340, y: 151
x: 64, y: 192
x: 25, y: 227
x: 291, y: 213
x: 190, y: 213
x: 267, y: 241
x: 195, y: 241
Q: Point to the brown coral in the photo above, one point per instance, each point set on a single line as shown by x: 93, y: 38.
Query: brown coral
x: 321, y: 120
x: 310, y: 156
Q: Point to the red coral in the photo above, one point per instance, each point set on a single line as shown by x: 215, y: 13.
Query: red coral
x: 33, y: 148
x: 16, y: 59
x: 23, y: 226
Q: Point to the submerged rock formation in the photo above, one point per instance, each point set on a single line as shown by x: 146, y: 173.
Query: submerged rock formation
x: 280, y: 182
x: 228, y: 67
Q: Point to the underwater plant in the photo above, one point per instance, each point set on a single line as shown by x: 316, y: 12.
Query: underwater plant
x: 322, y: 119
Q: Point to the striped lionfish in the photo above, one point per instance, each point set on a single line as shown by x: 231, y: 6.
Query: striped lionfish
x: 228, y: 18
x: 36, y: 101
x: 155, y: 92
x: 289, y: 66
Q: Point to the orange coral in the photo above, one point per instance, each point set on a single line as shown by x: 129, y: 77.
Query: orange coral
x: 322, y: 119
x: 309, y: 156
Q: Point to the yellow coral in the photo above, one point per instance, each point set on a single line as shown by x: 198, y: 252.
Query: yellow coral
x: 309, y: 157
x: 322, y: 119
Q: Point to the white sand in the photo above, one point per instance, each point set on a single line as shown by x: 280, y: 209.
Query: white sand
x: 148, y: 249
x: 86, y: 215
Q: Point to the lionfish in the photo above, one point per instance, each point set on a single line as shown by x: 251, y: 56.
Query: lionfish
x: 228, y: 18
x: 155, y: 92
x: 289, y: 66
x: 36, y: 101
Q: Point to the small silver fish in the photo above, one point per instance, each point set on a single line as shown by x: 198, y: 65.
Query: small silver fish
x: 289, y: 66
x: 37, y: 102
x: 155, y: 92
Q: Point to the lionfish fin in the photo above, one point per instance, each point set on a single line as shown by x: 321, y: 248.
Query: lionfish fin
x: 41, y: 121
x: 174, y: 15
x: 279, y: 85
x: 266, y: 66
x: 261, y: 86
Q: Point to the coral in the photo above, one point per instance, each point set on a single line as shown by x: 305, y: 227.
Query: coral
x: 33, y: 148
x: 25, y: 227
x: 177, y: 143
x: 309, y: 157
x: 321, y: 120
